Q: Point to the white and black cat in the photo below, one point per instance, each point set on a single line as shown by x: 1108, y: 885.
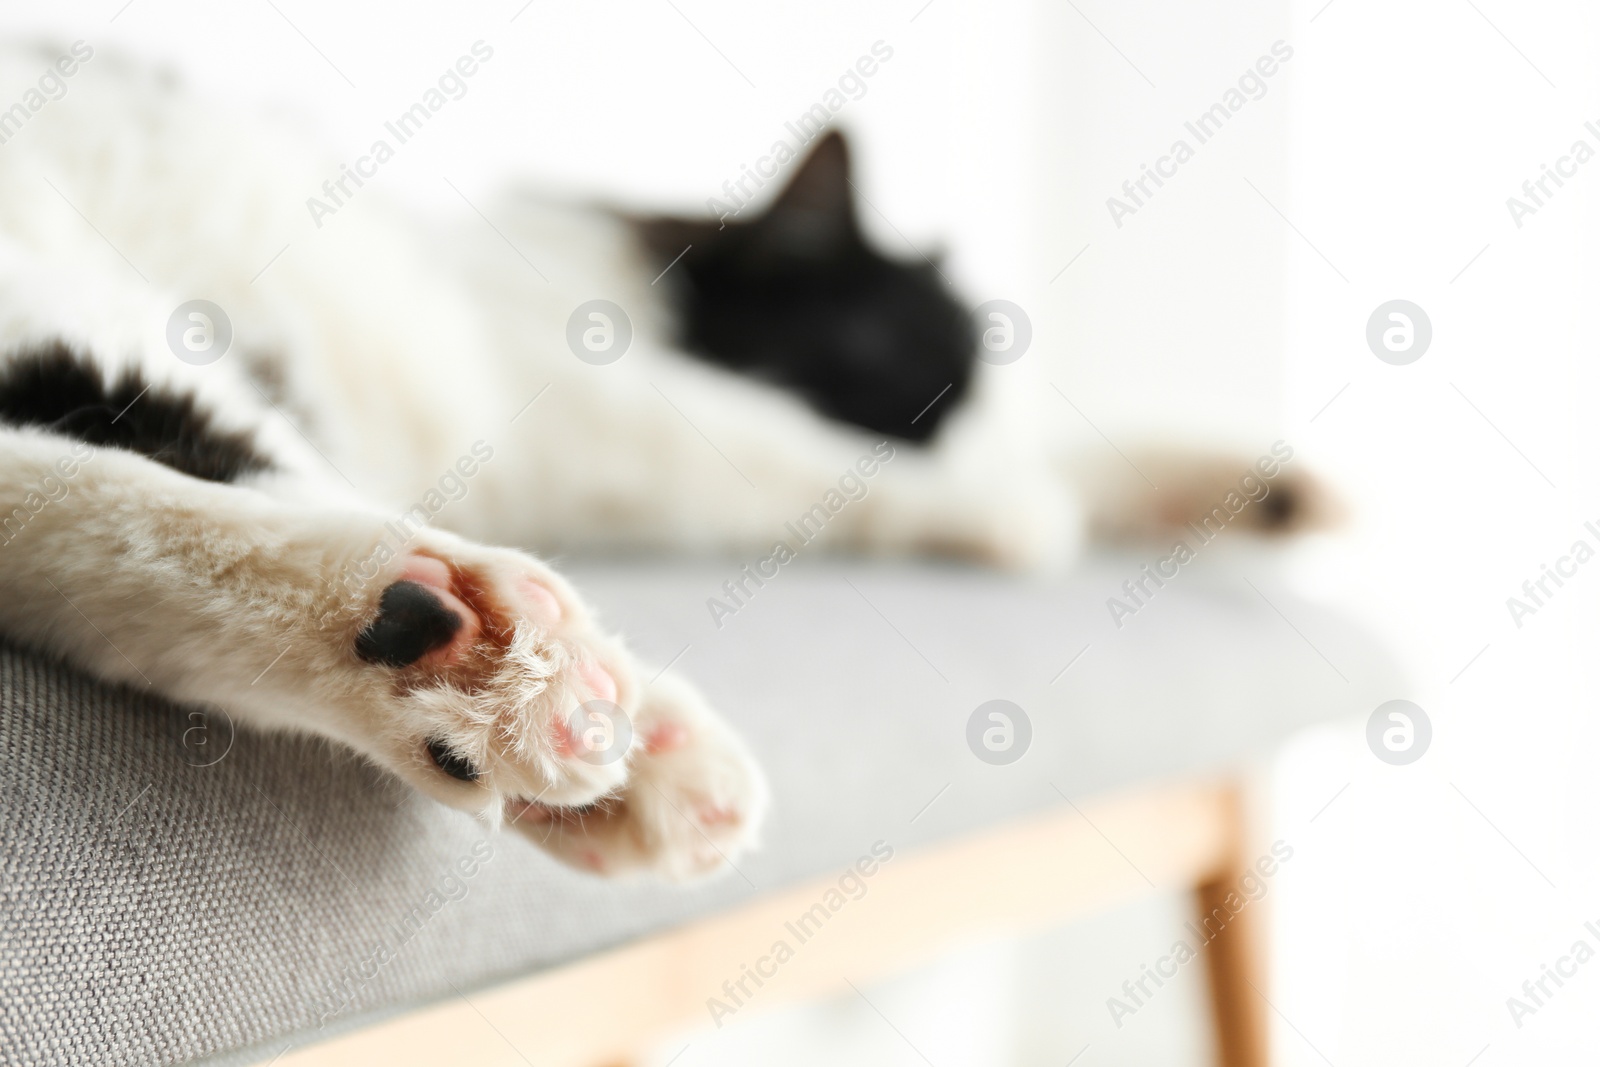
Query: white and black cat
x: 245, y: 503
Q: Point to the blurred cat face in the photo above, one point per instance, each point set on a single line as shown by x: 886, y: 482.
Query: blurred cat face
x: 797, y: 297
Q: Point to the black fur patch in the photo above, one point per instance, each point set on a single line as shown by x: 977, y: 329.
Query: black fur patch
x: 799, y: 298
x: 56, y: 389
x: 411, y: 623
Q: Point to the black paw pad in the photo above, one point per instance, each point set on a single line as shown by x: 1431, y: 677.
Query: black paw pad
x: 450, y: 762
x: 411, y: 623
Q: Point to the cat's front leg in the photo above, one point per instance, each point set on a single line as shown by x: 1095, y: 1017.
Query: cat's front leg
x: 473, y: 673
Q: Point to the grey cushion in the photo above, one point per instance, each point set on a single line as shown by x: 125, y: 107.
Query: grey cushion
x: 158, y: 911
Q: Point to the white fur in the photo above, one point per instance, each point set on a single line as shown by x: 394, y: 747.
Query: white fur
x: 399, y: 347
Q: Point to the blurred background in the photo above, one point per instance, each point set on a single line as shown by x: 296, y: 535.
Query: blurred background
x: 1231, y: 307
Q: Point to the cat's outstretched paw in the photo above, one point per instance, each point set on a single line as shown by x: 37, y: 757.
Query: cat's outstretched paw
x: 692, y: 805
x: 1158, y: 495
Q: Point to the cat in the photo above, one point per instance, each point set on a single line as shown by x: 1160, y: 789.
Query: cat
x: 261, y: 456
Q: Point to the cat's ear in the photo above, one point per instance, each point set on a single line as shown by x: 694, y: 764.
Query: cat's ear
x: 821, y: 181
x: 817, y: 208
x: 813, y: 217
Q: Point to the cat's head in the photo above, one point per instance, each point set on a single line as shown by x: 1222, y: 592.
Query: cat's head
x: 797, y: 296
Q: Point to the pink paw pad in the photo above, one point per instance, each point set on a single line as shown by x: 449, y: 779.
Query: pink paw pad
x: 562, y: 739
x: 712, y: 815
x: 600, y: 683
x: 539, y: 604
x: 665, y: 737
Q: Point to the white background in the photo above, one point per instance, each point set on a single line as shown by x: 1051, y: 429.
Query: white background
x: 1232, y: 307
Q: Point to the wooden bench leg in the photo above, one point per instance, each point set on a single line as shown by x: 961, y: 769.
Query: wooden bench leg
x: 1235, y: 956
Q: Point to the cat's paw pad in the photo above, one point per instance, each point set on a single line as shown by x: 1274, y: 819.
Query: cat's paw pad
x: 692, y: 805
x: 419, y: 617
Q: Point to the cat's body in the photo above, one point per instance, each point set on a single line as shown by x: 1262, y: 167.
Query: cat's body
x: 384, y: 384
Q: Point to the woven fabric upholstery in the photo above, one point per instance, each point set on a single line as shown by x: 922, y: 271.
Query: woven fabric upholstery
x: 160, y: 911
